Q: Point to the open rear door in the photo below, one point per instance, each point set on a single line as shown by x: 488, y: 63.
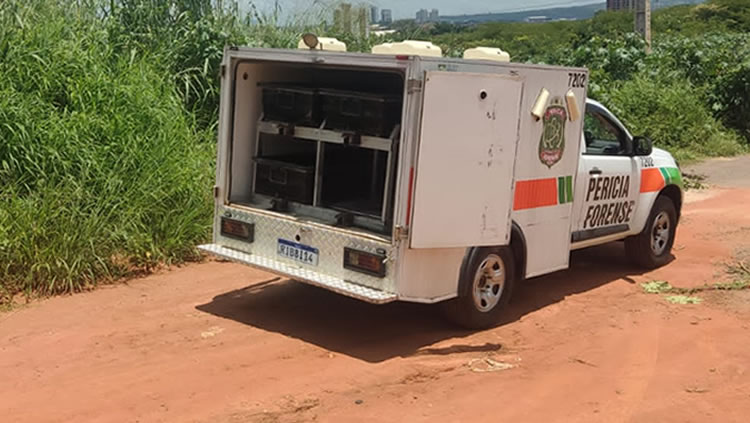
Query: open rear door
x: 463, y: 193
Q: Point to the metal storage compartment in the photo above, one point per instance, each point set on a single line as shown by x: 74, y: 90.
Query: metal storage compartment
x: 323, y: 145
x: 365, y: 113
x: 289, y: 103
x: 288, y: 177
x: 354, y: 170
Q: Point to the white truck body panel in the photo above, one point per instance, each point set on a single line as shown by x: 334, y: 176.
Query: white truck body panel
x: 546, y: 217
x: 462, y: 145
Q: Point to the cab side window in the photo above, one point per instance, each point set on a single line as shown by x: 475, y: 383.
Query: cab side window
x: 603, y: 137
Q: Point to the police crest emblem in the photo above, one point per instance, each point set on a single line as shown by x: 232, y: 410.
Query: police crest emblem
x: 552, y: 144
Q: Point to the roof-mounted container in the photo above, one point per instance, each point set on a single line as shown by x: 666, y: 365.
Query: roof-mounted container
x: 409, y: 47
x: 487, y: 53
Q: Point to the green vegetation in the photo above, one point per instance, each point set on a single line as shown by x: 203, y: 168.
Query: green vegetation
x: 108, y: 111
x: 682, y: 299
x: 738, y: 270
x: 690, y: 95
x: 656, y: 287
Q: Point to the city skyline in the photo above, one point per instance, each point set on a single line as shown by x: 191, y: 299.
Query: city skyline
x: 407, y: 9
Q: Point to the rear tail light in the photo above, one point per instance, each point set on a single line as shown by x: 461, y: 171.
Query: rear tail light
x: 237, y: 229
x: 364, y: 262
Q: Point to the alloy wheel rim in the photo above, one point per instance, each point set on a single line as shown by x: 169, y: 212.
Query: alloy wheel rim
x: 660, y: 233
x: 489, y: 281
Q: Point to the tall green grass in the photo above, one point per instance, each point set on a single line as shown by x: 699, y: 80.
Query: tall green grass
x: 102, y: 169
x: 108, y: 112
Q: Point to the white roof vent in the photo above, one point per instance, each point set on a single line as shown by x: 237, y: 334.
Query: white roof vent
x: 326, y: 44
x: 409, y: 47
x: 487, y: 53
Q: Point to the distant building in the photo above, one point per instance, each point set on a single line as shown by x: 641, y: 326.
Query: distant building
x: 386, y: 16
x: 374, y: 16
x: 362, y: 22
x: 536, y: 19
x: 621, y: 4
x: 349, y: 20
x: 342, y: 18
x: 424, y: 15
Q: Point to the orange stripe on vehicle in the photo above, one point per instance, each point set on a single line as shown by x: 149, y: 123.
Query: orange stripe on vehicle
x: 651, y: 180
x: 535, y: 193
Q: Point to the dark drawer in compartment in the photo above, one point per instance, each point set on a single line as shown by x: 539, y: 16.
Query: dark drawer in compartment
x: 365, y: 113
x: 292, y: 104
x: 285, y: 177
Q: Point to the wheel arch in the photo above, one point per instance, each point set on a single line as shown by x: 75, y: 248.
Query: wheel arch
x: 674, y: 193
x: 517, y: 246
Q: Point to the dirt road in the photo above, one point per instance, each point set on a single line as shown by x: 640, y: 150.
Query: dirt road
x: 218, y: 342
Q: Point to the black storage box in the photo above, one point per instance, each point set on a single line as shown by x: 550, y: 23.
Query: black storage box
x: 286, y: 177
x: 364, y: 113
x: 292, y: 104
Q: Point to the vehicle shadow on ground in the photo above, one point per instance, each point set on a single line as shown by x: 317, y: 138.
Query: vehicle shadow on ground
x: 376, y: 333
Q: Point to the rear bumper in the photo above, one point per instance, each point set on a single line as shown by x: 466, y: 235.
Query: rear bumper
x: 308, y: 276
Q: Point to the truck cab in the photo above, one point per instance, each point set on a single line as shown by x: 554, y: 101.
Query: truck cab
x: 619, y: 180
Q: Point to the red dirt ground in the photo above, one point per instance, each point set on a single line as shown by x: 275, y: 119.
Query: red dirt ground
x: 215, y: 342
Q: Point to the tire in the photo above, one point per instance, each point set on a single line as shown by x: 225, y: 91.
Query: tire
x: 481, y: 300
x: 653, y: 246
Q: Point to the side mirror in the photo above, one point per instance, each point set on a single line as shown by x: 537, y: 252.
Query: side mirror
x: 642, y: 146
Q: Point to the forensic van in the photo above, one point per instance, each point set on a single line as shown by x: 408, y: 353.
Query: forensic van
x: 413, y: 177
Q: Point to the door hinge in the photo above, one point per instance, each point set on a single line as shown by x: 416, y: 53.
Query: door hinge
x: 414, y: 85
x: 400, y: 232
x: 223, y: 70
x: 216, y: 191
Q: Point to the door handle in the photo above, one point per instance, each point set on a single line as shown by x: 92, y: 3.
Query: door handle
x: 595, y: 171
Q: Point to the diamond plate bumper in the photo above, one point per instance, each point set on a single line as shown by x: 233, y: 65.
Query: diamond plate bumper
x: 304, y: 275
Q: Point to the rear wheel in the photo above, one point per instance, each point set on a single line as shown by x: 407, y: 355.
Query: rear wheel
x: 484, y: 288
x: 652, y: 247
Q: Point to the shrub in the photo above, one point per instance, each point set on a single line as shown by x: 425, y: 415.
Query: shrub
x: 671, y: 113
x: 731, y: 96
x: 609, y: 60
x: 718, y: 64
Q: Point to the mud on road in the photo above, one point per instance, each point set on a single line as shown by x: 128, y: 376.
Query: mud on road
x: 218, y: 342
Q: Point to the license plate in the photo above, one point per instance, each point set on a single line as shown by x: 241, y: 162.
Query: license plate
x: 297, y: 252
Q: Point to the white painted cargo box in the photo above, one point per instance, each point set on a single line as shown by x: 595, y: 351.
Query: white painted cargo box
x: 390, y: 188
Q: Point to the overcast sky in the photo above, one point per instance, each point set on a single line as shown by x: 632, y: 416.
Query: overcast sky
x: 408, y: 8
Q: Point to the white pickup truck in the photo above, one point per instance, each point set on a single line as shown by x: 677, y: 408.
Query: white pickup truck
x: 427, y: 179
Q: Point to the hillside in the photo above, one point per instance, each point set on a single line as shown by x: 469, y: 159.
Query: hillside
x: 553, y: 14
x: 557, y: 13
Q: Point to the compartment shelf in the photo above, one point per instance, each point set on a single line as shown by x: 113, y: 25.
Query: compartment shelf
x: 327, y: 135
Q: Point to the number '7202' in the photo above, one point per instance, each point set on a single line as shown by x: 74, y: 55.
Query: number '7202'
x: 576, y: 80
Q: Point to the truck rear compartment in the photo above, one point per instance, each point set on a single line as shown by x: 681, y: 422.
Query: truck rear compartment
x: 317, y: 142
